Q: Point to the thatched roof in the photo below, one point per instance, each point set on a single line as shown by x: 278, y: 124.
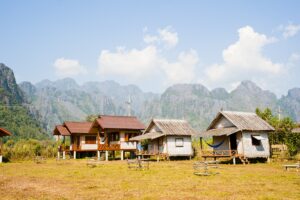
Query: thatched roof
x: 219, y: 132
x: 243, y: 121
x: 4, y: 132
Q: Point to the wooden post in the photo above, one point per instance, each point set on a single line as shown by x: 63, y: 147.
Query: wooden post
x: 98, y: 155
x: 122, y: 155
x: 106, y: 155
x: 201, y: 144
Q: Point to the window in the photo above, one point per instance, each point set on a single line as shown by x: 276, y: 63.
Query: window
x: 179, y: 142
x: 256, y: 140
x: 114, y: 136
x: 90, y: 139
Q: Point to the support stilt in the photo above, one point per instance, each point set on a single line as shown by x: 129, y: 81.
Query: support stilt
x: 98, y: 155
x: 58, y: 155
x: 106, y: 155
x: 74, y: 154
x: 64, y: 155
x: 234, y: 161
x: 122, y: 155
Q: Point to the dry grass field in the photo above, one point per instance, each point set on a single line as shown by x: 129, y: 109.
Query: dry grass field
x: 72, y: 179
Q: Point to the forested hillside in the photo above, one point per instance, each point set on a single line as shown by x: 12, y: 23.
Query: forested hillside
x: 14, y: 110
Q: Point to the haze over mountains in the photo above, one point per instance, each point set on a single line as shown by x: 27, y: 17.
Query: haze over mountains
x: 65, y: 100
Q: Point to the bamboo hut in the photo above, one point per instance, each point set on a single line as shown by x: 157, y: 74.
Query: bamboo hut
x: 238, y: 134
x: 169, y: 137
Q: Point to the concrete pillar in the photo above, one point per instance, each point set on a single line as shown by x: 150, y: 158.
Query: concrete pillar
x: 0, y: 158
x: 64, y: 155
x: 58, y: 155
x: 268, y: 160
x: 98, y: 155
x: 122, y: 155
x: 106, y: 155
x: 74, y: 154
x: 234, y: 160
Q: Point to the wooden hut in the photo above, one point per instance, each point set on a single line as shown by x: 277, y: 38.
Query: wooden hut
x: 169, y: 137
x: 3, y: 132
x: 238, y: 134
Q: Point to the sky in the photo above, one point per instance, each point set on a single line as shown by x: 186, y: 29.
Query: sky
x: 154, y: 44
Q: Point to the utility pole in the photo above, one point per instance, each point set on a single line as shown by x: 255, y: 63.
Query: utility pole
x: 279, y: 113
x: 129, y: 105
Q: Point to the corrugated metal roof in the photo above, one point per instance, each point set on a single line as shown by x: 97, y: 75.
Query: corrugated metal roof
x: 219, y: 132
x: 78, y: 127
x: 119, y: 122
x: 172, y: 127
x: 4, y: 132
x: 151, y: 136
x: 244, y: 121
x: 61, y: 130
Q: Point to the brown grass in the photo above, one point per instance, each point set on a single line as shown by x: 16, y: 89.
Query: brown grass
x: 165, y: 180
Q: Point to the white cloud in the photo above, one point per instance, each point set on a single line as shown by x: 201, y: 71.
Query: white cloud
x: 290, y: 30
x: 183, y: 69
x: 68, y: 67
x: 165, y: 36
x: 244, y: 60
x: 134, y: 63
x: 138, y: 64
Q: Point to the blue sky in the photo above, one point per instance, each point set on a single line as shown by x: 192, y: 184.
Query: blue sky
x: 154, y: 44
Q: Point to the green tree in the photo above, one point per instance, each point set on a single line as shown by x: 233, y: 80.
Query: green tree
x: 283, y: 130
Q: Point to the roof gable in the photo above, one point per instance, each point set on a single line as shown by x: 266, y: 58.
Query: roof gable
x: 243, y: 121
x: 78, y: 127
x: 171, y: 127
x: 61, y: 130
x: 119, y: 122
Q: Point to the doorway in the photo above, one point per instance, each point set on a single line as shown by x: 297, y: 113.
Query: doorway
x: 233, y: 144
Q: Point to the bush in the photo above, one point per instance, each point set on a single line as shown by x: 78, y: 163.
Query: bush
x: 28, y: 149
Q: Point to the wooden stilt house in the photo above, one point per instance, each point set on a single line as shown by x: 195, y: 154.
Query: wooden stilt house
x: 3, y: 132
x: 169, y: 137
x: 238, y: 134
x: 107, y: 134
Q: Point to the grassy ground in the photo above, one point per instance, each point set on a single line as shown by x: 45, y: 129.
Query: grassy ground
x: 165, y: 180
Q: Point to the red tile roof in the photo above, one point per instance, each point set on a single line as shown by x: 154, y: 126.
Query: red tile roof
x: 4, y: 132
x: 61, y: 130
x: 119, y: 122
x: 78, y: 127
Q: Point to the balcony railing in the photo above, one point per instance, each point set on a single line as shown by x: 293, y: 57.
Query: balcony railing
x: 128, y: 145
x: 111, y: 147
x: 220, y: 153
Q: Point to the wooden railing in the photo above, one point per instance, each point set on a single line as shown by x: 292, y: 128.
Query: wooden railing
x: 220, y: 153
x: 106, y: 147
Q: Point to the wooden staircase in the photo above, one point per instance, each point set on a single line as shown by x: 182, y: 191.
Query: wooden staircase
x: 244, y: 160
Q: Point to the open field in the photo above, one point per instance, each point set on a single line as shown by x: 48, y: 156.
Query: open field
x: 72, y: 179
